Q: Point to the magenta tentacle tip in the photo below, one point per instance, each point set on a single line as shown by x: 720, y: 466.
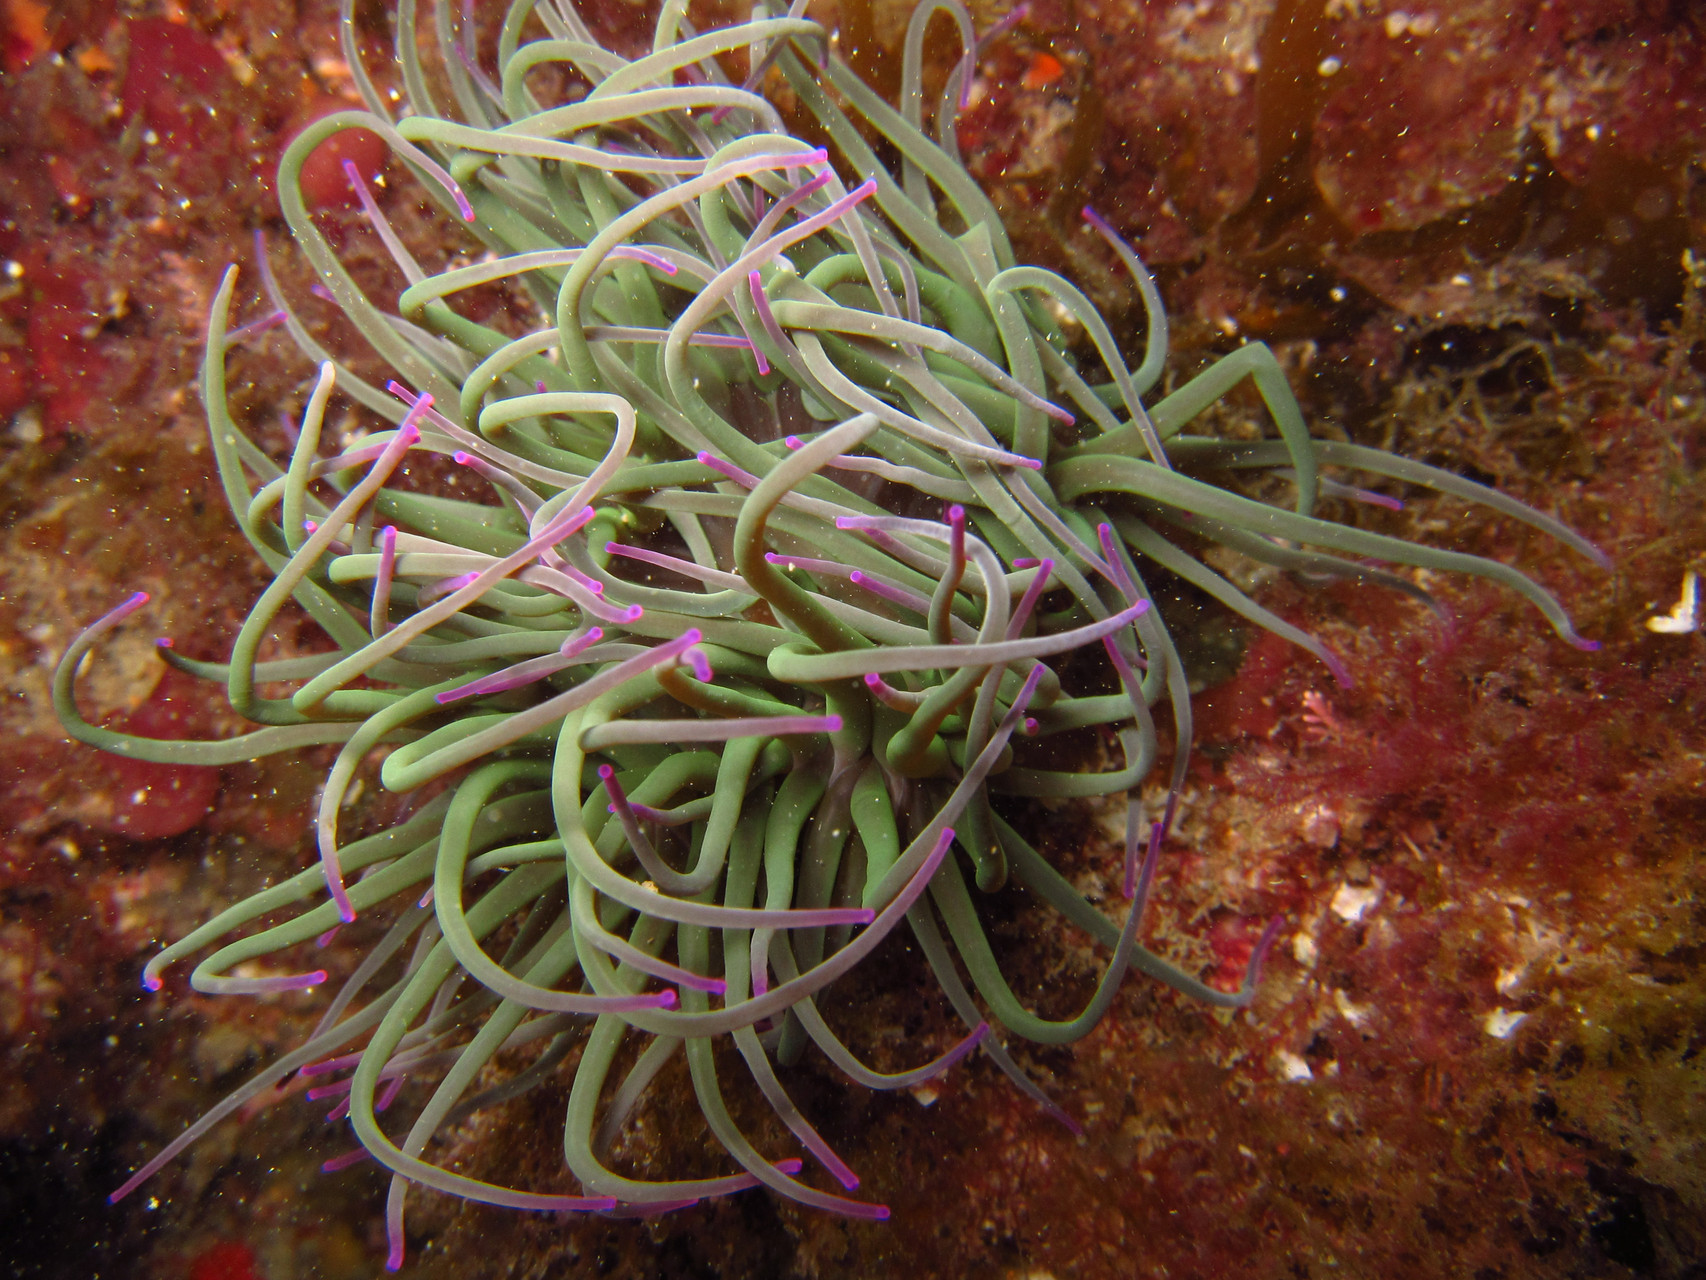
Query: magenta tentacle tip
x: 1341, y: 672
x: 163, y: 642
x: 152, y: 983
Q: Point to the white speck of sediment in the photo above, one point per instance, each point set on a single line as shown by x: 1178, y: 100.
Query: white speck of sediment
x: 1501, y: 1022
x: 1684, y: 617
x: 1349, y: 1010
x: 1290, y: 1066
x: 1352, y: 902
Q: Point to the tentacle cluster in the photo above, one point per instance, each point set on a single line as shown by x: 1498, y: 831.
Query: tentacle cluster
x: 792, y: 495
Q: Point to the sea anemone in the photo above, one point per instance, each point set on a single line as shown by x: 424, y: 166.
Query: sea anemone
x: 796, y: 493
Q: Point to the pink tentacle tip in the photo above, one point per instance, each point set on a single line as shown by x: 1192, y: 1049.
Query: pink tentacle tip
x: 152, y: 982
x: 325, y: 939
x: 1030, y: 727
x: 701, y: 665
x: 539, y: 385
x: 163, y: 642
x: 1583, y: 643
x: 789, y: 1166
x: 1096, y: 220
x: 1065, y: 1118
x: 794, y: 442
x: 1341, y: 672
x: 1259, y: 956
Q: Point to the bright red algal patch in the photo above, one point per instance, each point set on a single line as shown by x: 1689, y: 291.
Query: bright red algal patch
x: 1245, y: 706
x: 172, y: 70
x: 150, y: 801
x: 227, y: 1260
x: 324, y: 185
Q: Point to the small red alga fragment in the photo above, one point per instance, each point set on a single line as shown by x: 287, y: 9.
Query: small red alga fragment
x: 172, y: 67
x: 151, y: 801
x: 324, y: 185
x: 227, y: 1260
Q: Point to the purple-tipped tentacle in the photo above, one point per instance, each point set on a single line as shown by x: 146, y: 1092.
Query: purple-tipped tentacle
x: 892, y: 698
x: 379, y: 617
x: 224, y: 986
x: 525, y: 498
x: 701, y: 665
x: 675, y: 564
x: 436, y: 591
x: 726, y: 468
x: 766, y: 317
x: 1116, y: 562
x: 269, y: 321
x: 1258, y: 957
x: 348, y: 1160
x: 1027, y: 602
x: 888, y: 591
